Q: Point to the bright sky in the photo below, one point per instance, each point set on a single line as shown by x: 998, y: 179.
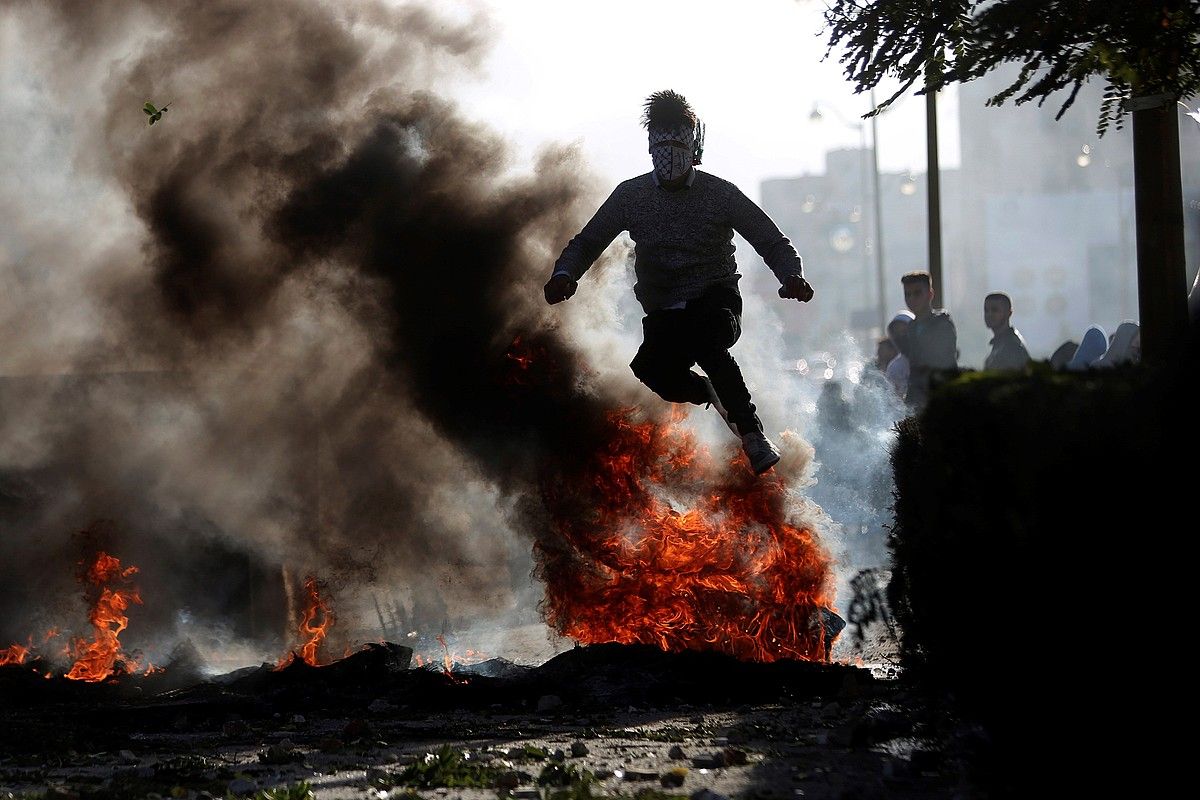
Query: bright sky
x: 570, y: 70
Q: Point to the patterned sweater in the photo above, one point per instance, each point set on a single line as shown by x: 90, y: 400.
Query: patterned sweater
x: 683, y: 239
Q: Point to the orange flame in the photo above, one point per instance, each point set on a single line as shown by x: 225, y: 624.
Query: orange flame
x: 313, y: 632
x: 448, y: 661
x: 97, y: 660
x: 13, y: 654
x: 658, y: 544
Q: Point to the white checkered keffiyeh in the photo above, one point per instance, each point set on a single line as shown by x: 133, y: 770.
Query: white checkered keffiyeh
x: 672, y: 161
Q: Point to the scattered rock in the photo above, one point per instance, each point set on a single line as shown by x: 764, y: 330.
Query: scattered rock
x: 673, y: 778
x: 639, y: 775
x: 380, y: 706
x: 241, y: 786
x: 298, y: 719
x: 356, y: 729
x: 707, y: 794
x: 60, y: 793
x: 549, y: 702
x: 708, y: 761
x: 378, y: 777
x: 508, y: 780
x: 579, y: 749
x: 278, y: 754
x: 127, y: 757
x: 235, y: 728
x: 676, y: 753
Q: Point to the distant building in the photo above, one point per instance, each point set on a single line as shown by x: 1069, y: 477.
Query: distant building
x: 1039, y: 208
x: 824, y: 215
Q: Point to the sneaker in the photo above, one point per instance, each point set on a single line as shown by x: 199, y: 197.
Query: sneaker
x: 715, y: 402
x: 761, y: 452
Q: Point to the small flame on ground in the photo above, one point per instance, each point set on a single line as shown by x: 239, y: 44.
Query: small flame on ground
x: 448, y: 661
x: 14, y: 654
x: 315, y: 623
x: 98, y: 659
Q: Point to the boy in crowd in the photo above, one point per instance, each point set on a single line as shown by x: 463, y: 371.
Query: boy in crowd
x: 931, y: 343
x: 1008, y: 346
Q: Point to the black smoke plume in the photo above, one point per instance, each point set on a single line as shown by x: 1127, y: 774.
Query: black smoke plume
x: 283, y: 330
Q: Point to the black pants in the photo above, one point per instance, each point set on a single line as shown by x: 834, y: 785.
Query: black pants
x: 676, y: 339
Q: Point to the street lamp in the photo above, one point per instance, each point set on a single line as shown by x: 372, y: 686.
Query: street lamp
x: 815, y: 115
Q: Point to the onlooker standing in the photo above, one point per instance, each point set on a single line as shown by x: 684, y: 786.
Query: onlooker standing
x: 1008, y: 347
x: 932, y: 342
x: 898, y: 368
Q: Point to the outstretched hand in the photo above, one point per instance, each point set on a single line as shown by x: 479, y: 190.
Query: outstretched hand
x: 559, y: 288
x: 796, y: 288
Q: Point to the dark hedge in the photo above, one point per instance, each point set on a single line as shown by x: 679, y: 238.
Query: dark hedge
x: 1040, y: 553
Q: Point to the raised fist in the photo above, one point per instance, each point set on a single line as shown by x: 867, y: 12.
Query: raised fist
x: 559, y: 288
x: 796, y: 288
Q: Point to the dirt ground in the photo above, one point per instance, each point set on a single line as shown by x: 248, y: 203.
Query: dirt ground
x: 596, y: 722
x: 817, y: 749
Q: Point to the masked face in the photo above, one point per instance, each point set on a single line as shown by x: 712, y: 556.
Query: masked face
x: 672, y: 152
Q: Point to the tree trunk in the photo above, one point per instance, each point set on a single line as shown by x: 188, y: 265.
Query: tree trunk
x: 1158, y: 205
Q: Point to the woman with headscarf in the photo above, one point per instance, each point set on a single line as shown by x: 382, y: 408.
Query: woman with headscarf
x: 1093, y: 346
x: 1065, y: 352
x: 1123, y: 348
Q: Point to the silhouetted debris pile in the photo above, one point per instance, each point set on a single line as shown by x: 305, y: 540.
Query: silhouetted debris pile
x: 378, y: 679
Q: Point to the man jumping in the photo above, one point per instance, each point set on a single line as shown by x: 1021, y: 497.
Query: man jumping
x: 682, y: 222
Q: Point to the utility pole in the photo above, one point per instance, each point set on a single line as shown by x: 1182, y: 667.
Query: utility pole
x: 876, y: 201
x: 933, y: 176
x: 816, y: 115
x: 878, y: 220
